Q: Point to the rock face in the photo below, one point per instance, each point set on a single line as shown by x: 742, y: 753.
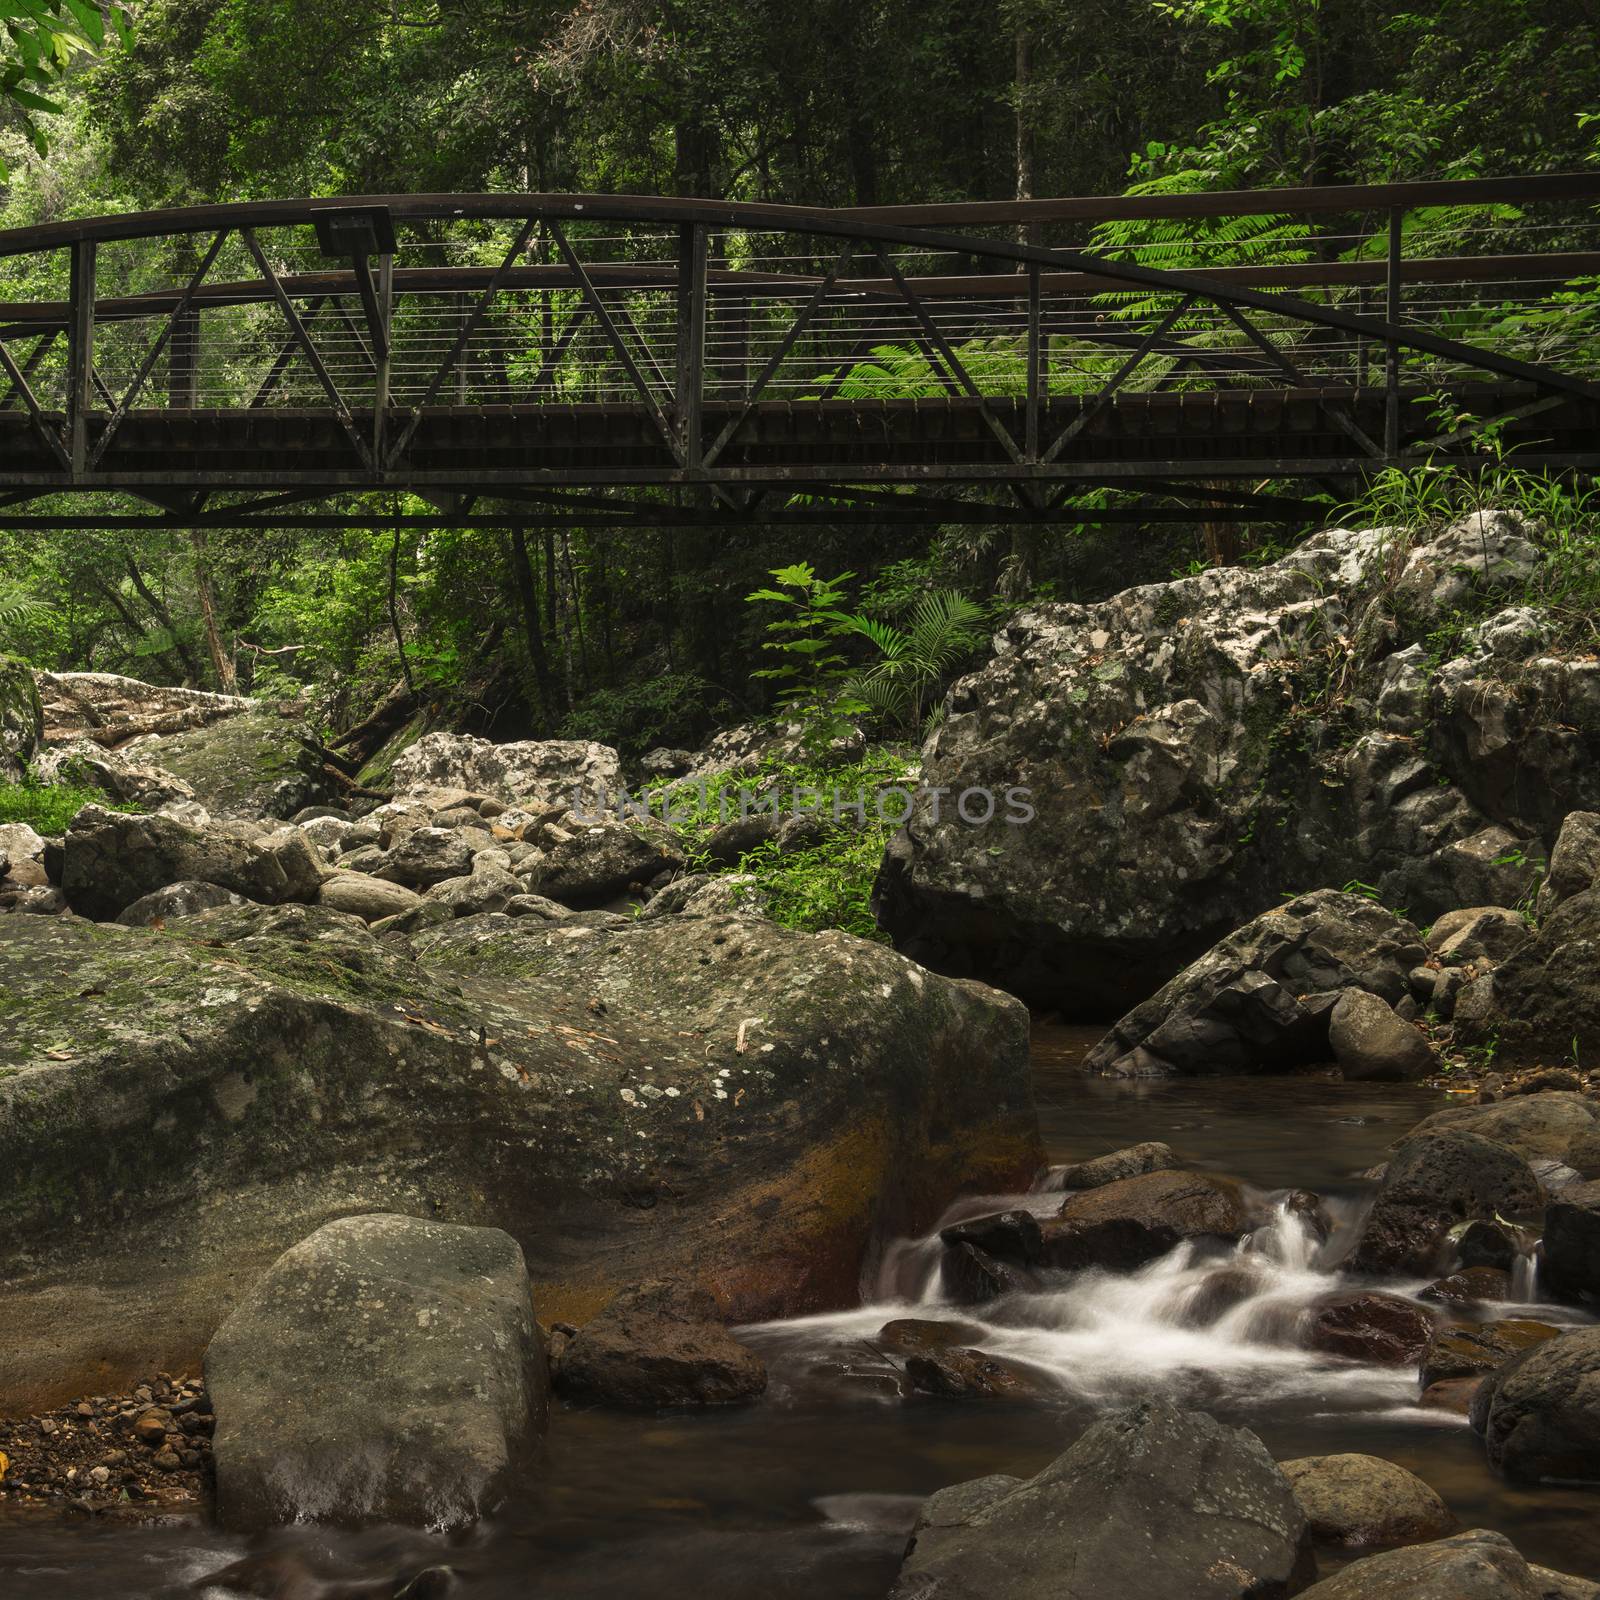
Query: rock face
x: 255, y: 763
x: 1365, y: 1500
x: 1543, y: 1003
x: 21, y: 719
x: 1478, y: 1565
x: 657, y: 1346
x: 1574, y: 863
x: 384, y: 1369
x: 1179, y: 790
x: 545, y: 771
x: 1540, y: 1413
x: 1572, y: 1242
x: 1124, y: 1224
x: 1371, y: 1043
x: 1152, y: 1501
x: 717, y: 1100
x: 1435, y: 1180
x: 1261, y: 999
x: 113, y: 858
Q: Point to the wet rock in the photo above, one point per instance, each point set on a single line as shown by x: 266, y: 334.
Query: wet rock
x: 1543, y: 1126
x: 971, y: 1276
x: 1571, y: 1265
x: 1574, y: 865
x: 426, y: 856
x: 785, y: 1099
x: 604, y: 860
x: 186, y: 899
x: 1487, y: 1244
x: 365, y: 896
x: 1219, y: 1293
x: 1540, y: 1413
x: 916, y: 1336
x: 1151, y: 1501
x: 385, y: 1368
x: 1477, y: 1565
x: 1380, y: 1329
x: 1008, y: 1235
x: 1471, y: 1349
x: 659, y: 1345
x: 1543, y: 1003
x: 1124, y: 1224
x: 1470, y: 1286
x: 1133, y: 1162
x: 1355, y: 1500
x: 543, y: 771
x: 956, y: 1374
x: 1260, y: 1000
x: 1449, y: 1394
x: 1371, y: 1043
x: 113, y: 858
x: 291, y: 1575
x: 1435, y: 1180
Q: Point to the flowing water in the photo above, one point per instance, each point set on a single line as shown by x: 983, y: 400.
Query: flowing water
x: 809, y: 1493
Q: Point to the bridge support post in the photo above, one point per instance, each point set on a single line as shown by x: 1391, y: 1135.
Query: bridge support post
x: 1391, y: 361
x: 690, y: 380
x: 80, y: 354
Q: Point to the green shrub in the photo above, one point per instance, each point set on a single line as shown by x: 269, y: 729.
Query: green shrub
x: 49, y: 808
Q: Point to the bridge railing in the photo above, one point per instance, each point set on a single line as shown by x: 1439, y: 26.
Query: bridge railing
x: 699, y: 317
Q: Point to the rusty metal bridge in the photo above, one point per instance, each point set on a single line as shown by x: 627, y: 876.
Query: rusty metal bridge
x: 599, y: 360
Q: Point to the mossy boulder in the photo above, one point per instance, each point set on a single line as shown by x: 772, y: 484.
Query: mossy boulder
x: 21, y: 719
x: 721, y: 1102
x: 255, y: 763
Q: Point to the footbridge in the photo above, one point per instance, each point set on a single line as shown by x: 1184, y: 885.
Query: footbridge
x: 602, y: 359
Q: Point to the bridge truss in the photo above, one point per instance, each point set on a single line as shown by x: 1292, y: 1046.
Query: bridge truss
x: 599, y: 360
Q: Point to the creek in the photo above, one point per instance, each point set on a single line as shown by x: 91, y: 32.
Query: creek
x: 809, y: 1493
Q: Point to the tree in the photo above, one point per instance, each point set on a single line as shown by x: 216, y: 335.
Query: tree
x: 43, y: 41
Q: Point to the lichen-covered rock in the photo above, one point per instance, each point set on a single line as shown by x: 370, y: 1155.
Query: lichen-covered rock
x: 1539, y: 1414
x: 1356, y: 1500
x: 1179, y: 785
x: 716, y: 1100
x: 1574, y: 863
x: 187, y: 898
x: 1371, y: 1043
x: 1471, y: 1349
x: 117, y: 775
x: 540, y: 770
x: 113, y: 858
x: 21, y: 719
x: 1151, y: 1501
x: 603, y: 860
x: 255, y: 763
x: 1554, y: 1126
x: 384, y: 1369
x: 1261, y: 999
x: 1477, y: 1565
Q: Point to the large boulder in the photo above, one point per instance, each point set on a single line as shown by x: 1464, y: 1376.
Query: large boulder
x: 1364, y: 1500
x: 1434, y: 1181
x: 719, y: 1101
x: 1540, y: 1413
x: 384, y: 1369
x: 659, y: 1345
x: 1124, y: 1224
x: 1543, y: 1003
x: 1371, y: 1043
x: 1477, y: 1565
x: 21, y: 719
x: 365, y: 896
x: 1574, y: 862
x: 113, y: 858
x: 605, y: 859
x: 1571, y: 1264
x: 1384, y: 1330
x: 1179, y: 783
x: 1152, y: 1501
x: 539, y: 770
x: 1261, y: 999
x: 1471, y: 1349
x: 1554, y: 1126
x: 257, y: 762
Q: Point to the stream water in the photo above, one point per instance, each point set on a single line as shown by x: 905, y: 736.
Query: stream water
x: 809, y: 1493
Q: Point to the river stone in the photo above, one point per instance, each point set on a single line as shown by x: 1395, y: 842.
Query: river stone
x: 1365, y: 1500
x: 1542, y: 1005
x: 21, y: 719
x: 920, y: 1336
x: 719, y: 1100
x: 1571, y: 1264
x: 1477, y: 1565
x: 384, y: 1369
x: 253, y: 762
x: 1151, y: 1501
x: 659, y: 1345
x: 1552, y: 1126
x: 957, y: 1374
x: 1485, y: 933
x: 426, y: 856
x: 1135, y: 1160
x: 1433, y: 1181
x: 1574, y: 862
x: 604, y: 860
x: 1540, y: 1412
x: 184, y: 899
x: 1371, y: 1043
x: 1260, y: 1000
x: 1009, y: 1235
x: 1470, y: 1349
x: 113, y: 858
x: 1175, y: 790
x: 1470, y: 1286
x: 542, y: 771
x: 1124, y: 1224
x: 365, y: 896
x: 1367, y: 1325
x: 970, y: 1276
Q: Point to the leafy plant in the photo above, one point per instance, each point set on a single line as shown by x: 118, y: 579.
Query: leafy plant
x: 811, y: 672
x: 48, y: 808
x: 913, y: 661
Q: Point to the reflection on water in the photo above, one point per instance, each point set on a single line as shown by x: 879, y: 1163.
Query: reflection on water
x: 808, y: 1494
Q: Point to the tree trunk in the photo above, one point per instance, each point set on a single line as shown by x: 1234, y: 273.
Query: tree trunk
x: 227, y: 678
x: 158, y: 609
x: 1027, y: 232
x: 528, y: 593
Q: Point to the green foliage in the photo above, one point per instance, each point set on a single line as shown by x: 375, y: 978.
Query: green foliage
x: 48, y: 808
x: 43, y: 39
x: 943, y: 628
x: 811, y: 672
x: 18, y: 614
x: 667, y: 709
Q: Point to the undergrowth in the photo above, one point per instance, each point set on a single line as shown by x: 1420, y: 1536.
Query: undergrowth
x: 48, y: 808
